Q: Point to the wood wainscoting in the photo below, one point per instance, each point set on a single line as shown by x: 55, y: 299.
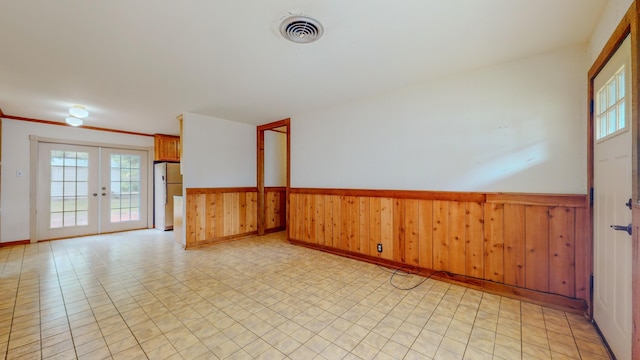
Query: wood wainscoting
x: 531, y: 244
x: 222, y: 214
x: 275, y: 208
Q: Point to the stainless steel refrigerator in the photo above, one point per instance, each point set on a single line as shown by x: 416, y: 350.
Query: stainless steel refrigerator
x: 167, y: 184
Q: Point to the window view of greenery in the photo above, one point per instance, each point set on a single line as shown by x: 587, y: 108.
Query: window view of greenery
x: 125, y: 188
x: 69, y: 189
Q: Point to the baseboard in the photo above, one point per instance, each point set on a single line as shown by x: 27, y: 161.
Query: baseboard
x: 12, y: 243
x: 276, y: 229
x: 558, y: 302
x: 223, y: 239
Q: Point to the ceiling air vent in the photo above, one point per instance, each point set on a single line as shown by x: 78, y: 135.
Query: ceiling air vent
x: 301, y: 29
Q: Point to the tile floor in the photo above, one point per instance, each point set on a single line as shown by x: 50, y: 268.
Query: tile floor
x: 136, y: 295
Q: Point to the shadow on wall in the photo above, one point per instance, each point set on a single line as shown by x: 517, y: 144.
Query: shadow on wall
x: 487, y: 174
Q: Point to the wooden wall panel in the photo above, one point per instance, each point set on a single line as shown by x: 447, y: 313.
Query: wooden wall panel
x: 514, y: 244
x: 386, y: 228
x: 301, y: 213
x: 251, y: 215
x: 201, y: 216
x: 375, y: 226
x: 345, y: 223
x: 412, y: 232
x: 562, y: 251
x: 219, y: 214
x: 425, y: 233
x: 270, y: 208
x: 535, y: 242
x: 537, y: 248
x: 363, y: 219
x: 474, y: 240
x: 309, y: 218
x: 441, y: 235
x: 398, y: 230
x: 235, y: 213
x: 328, y: 220
x: 211, y: 216
x: 494, y: 242
x: 583, y: 252
x: 242, y: 212
x: 294, y: 215
x: 220, y: 223
x: 275, y: 208
x: 457, y: 237
x: 319, y: 217
x: 354, y: 223
x: 227, y: 207
x: 337, y: 220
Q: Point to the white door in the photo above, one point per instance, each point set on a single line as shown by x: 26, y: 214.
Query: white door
x: 67, y: 202
x: 612, y: 189
x: 124, y: 183
x: 84, y: 190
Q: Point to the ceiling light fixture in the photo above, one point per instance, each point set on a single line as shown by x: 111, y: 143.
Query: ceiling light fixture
x: 73, y: 121
x: 78, y: 111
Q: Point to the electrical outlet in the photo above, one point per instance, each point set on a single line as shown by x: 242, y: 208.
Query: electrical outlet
x: 379, y: 248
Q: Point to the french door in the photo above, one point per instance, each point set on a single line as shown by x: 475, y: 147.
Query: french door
x: 84, y: 190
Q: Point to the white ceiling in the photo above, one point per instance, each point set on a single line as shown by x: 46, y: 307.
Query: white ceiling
x: 137, y: 64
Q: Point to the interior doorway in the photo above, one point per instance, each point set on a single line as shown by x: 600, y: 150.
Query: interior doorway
x: 281, y: 127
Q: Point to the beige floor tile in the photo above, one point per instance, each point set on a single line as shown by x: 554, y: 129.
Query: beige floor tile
x: 98, y: 354
x: 472, y: 353
x: 130, y: 354
x: 23, y: 350
x: 194, y: 351
x: 162, y: 302
x: 118, y: 336
x: 395, y: 349
x: 55, y: 339
x: 65, y: 355
x: 122, y: 344
x: 57, y: 348
x: 443, y: 354
x: 591, y: 356
x: 535, y: 352
x: 365, y: 351
x: 90, y: 347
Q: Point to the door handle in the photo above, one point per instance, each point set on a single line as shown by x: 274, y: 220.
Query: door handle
x: 104, y: 194
x: 622, y: 228
x: 95, y: 194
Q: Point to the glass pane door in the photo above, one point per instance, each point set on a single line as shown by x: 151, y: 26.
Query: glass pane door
x: 86, y: 190
x: 124, y: 181
x: 67, y: 190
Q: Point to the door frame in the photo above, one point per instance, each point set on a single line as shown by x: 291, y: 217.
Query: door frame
x: 628, y: 26
x: 33, y: 177
x: 261, y: 219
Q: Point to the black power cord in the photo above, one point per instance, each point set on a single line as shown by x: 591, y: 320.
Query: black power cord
x: 401, y: 272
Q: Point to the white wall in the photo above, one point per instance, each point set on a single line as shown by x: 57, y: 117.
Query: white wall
x: 613, y: 13
x: 16, y: 157
x: 275, y: 159
x: 514, y: 127
x: 217, y: 152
